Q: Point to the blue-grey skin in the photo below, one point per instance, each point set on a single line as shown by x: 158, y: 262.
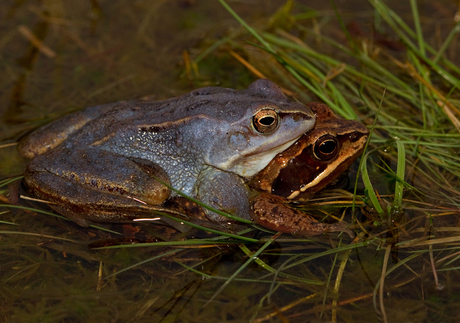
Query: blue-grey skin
x: 103, y: 163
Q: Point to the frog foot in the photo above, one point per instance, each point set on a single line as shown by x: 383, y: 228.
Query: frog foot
x: 271, y: 212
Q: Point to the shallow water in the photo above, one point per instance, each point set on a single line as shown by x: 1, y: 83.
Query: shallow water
x: 104, y: 51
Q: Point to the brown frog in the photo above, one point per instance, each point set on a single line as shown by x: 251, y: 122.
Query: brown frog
x: 313, y: 162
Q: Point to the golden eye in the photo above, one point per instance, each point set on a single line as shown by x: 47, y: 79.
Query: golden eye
x: 265, y: 121
x: 326, y: 147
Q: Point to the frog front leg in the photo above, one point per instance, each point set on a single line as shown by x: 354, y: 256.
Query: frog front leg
x: 272, y: 212
x: 223, y: 191
x: 96, y: 185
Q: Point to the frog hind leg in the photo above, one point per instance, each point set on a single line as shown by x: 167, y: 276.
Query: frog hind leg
x: 53, y: 134
x: 96, y: 185
x: 224, y: 191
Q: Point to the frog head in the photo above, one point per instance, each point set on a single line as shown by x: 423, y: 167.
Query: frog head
x: 267, y: 123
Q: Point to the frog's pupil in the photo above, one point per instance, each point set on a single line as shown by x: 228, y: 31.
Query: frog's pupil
x: 327, y: 147
x: 266, y: 121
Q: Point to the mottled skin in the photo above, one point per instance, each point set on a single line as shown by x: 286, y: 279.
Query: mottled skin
x: 110, y: 162
x: 313, y: 162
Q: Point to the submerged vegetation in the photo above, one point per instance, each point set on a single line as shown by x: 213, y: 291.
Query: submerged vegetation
x: 404, y: 210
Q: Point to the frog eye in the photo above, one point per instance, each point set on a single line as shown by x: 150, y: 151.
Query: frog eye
x: 326, y: 147
x: 265, y: 121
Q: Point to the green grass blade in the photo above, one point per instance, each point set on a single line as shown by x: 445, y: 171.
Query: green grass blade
x: 237, y: 272
x: 418, y: 27
x: 400, y: 173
